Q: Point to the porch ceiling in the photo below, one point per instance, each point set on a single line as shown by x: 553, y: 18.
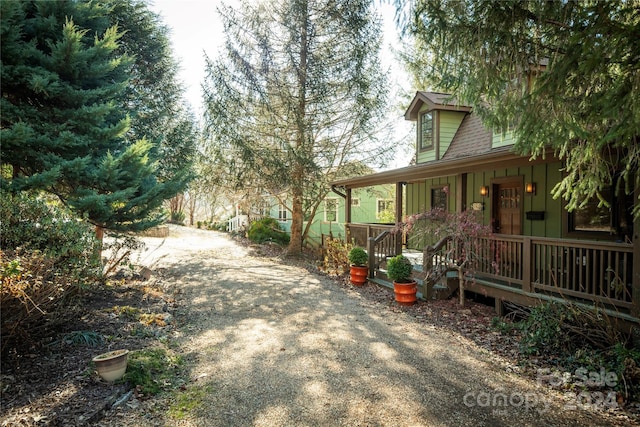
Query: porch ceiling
x: 501, y: 157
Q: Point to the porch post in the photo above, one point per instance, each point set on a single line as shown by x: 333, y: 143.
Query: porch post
x: 399, y: 206
x: 399, y: 201
x: 635, y: 281
x: 371, y: 251
x: 347, y: 206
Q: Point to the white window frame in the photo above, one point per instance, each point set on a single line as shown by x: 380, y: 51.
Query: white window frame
x: 326, y: 202
x: 282, y: 212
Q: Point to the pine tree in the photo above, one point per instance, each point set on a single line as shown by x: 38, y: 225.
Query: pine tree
x: 295, y: 98
x: 153, y: 97
x: 63, y: 127
x: 563, y: 75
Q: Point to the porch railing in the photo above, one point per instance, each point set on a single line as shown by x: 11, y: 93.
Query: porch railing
x: 379, y: 240
x: 580, y: 270
x: 599, y: 272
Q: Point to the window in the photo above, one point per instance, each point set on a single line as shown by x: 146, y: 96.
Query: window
x: 439, y: 198
x: 264, y: 208
x: 355, y: 202
x: 426, y: 131
x: 331, y: 209
x: 282, y: 213
x: 615, y: 220
x: 385, y: 210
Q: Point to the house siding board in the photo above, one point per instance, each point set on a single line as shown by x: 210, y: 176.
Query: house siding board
x: 450, y: 122
x: 502, y: 140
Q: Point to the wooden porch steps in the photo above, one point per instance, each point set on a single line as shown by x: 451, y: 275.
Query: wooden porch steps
x: 439, y: 291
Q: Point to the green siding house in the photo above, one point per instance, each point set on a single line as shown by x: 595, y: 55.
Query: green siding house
x: 586, y: 255
x: 367, y: 206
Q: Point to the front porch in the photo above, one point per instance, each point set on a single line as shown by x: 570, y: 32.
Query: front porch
x: 521, y: 269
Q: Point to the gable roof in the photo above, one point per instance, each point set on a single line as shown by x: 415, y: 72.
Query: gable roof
x: 470, y: 149
x: 434, y: 101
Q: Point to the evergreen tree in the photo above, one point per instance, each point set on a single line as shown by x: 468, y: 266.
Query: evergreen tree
x: 153, y: 97
x: 559, y: 74
x: 295, y: 98
x: 63, y: 127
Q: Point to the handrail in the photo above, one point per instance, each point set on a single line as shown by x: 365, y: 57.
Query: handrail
x: 372, y: 242
x: 428, y: 253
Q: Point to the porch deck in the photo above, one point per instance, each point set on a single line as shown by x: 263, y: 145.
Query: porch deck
x: 524, y: 270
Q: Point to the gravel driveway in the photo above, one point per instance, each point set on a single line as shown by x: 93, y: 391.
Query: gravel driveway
x: 275, y: 345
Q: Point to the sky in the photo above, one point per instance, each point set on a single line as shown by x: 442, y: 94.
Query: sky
x: 196, y: 30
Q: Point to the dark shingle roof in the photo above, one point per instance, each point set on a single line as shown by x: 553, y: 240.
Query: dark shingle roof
x: 435, y: 100
x: 471, y: 139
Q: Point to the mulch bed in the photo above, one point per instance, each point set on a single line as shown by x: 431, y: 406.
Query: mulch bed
x: 52, y: 381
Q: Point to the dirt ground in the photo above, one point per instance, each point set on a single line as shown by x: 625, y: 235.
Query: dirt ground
x: 178, y: 280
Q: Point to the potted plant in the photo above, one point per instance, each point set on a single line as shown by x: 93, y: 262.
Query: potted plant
x: 358, y: 270
x: 111, y: 366
x: 399, y: 269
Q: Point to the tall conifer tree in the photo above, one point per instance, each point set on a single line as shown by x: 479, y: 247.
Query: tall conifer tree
x: 64, y: 126
x: 563, y: 75
x: 295, y: 98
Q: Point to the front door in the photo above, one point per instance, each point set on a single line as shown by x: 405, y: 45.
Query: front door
x: 507, y: 212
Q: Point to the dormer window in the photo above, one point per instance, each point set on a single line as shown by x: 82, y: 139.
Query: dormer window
x: 426, y: 130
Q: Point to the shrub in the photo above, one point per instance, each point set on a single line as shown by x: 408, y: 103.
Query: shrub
x: 118, y: 251
x: 46, y: 256
x: 34, y: 223
x: 177, y: 217
x: 267, y: 230
x: 336, y: 256
x: 399, y: 269
x: 563, y: 328
x: 358, y: 256
x: 582, y: 337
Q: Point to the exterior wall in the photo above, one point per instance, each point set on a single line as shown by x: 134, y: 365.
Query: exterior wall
x: 418, y: 195
x: 365, y: 213
x: 273, y: 213
x: 545, y: 176
x: 445, y: 126
x: 502, y: 140
x: 450, y: 121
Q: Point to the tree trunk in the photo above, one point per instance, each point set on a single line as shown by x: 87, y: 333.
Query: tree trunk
x: 100, y: 239
x: 461, y: 287
x: 295, y: 244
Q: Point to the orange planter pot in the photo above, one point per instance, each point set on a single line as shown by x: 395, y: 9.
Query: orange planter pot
x: 358, y: 274
x: 406, y: 292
